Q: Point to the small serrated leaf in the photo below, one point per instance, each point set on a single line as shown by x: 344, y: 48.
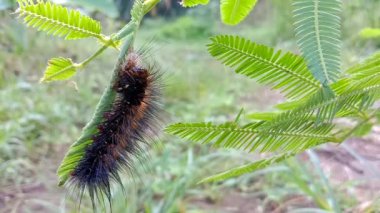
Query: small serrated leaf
x: 234, y: 11
x: 58, y: 21
x: 193, y: 3
x: 59, y: 69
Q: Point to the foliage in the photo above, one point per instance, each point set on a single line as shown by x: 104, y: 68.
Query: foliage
x: 156, y: 195
x: 248, y: 168
x: 31, y: 150
x: 307, y: 181
x: 255, y: 136
x: 192, y: 3
x: 286, y: 71
x: 317, y: 28
x: 59, y: 69
x: 234, y: 11
x: 306, y: 121
x: 370, y: 33
x: 58, y: 21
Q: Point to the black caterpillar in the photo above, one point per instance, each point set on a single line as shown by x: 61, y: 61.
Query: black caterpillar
x: 124, y: 130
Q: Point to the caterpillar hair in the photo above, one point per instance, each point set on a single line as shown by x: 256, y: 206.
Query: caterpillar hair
x: 125, y: 129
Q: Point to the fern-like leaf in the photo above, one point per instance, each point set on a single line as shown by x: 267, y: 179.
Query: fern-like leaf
x: 287, y: 72
x: 295, y: 137
x: 58, y: 21
x: 248, y: 168
x: 317, y: 27
x: 324, y: 105
x: 59, y: 69
x: 138, y: 11
x: 362, y: 72
x: 234, y: 11
x: 350, y: 95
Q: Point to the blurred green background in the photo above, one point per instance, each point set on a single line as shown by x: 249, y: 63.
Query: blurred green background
x: 38, y: 122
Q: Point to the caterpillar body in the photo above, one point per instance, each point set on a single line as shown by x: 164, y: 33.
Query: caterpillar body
x: 125, y: 128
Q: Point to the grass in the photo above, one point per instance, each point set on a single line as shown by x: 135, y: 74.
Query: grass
x: 39, y: 121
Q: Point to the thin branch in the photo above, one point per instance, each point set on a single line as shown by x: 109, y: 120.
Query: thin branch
x: 357, y: 126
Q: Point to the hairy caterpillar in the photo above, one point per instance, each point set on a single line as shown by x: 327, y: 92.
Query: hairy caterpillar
x: 124, y: 129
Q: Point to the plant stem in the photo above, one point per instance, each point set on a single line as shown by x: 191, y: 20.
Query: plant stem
x: 124, y: 32
x: 98, y: 52
x: 357, y: 126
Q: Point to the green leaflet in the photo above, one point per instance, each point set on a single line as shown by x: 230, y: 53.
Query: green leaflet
x: 193, y: 3
x: 363, y: 130
x: 317, y: 28
x: 352, y: 95
x: 59, y: 69
x: 284, y: 71
x: 263, y: 116
x: 248, y: 168
x: 362, y: 72
x: 256, y: 136
x: 234, y: 11
x: 324, y: 106
x: 58, y: 21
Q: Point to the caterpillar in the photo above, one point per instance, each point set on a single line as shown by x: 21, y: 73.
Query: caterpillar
x: 124, y: 130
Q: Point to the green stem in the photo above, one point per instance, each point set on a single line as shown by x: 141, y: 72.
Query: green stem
x: 130, y: 28
x: 124, y: 32
x: 93, y: 56
x: 357, y: 126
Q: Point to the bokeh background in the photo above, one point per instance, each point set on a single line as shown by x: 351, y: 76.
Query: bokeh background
x: 38, y: 122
